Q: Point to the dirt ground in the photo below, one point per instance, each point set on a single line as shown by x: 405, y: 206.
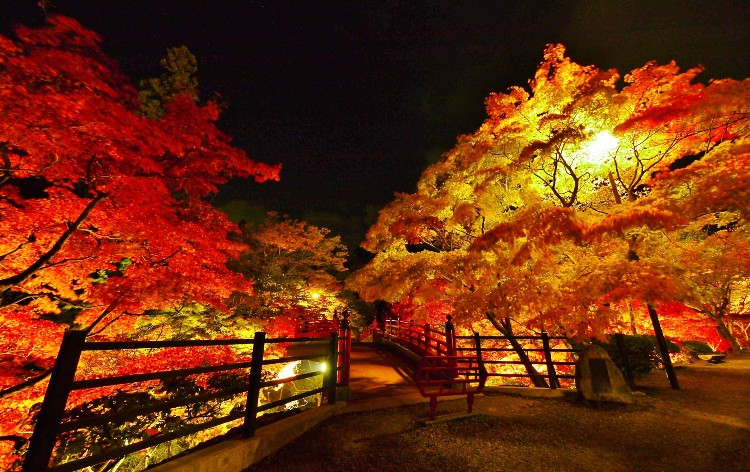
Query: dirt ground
x: 705, y: 426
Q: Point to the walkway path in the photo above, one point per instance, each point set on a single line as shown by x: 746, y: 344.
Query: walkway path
x: 380, y: 379
x: 703, y: 427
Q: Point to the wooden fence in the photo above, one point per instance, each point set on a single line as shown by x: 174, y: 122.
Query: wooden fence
x: 554, y: 362
x: 52, y: 421
x: 554, y: 357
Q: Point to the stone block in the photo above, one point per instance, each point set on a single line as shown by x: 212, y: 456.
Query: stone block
x: 599, y: 380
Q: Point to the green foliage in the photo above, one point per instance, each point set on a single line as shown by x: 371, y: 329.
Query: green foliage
x: 101, y: 275
x: 295, y: 267
x: 697, y: 347
x: 189, y: 321
x: 180, y: 67
x: 642, y: 353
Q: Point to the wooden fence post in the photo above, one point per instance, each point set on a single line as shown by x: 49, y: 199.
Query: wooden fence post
x: 478, y: 345
x: 412, y: 335
x: 450, y: 336
x: 450, y: 341
x: 346, y: 350
x: 44, y: 437
x: 427, y: 345
x: 551, y: 373
x: 253, y: 393
x: 330, y: 377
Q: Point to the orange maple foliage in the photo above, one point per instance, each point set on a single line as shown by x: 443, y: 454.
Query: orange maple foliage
x: 575, y: 196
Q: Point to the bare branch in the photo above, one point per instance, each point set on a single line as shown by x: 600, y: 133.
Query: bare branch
x: 9, y: 282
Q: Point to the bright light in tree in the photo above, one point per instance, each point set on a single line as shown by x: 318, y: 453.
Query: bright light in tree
x: 315, y: 295
x: 597, y: 149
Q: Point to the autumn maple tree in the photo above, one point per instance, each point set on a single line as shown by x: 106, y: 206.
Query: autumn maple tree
x: 102, y: 202
x: 575, y: 197
x: 297, y: 270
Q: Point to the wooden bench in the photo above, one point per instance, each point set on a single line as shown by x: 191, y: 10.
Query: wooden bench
x: 439, y: 376
x: 713, y: 358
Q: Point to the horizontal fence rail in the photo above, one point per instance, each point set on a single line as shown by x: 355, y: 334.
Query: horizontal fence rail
x: 552, y: 356
x: 544, y: 352
x: 331, y: 351
x: 420, y: 339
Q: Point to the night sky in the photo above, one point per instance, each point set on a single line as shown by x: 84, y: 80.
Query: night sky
x: 356, y: 98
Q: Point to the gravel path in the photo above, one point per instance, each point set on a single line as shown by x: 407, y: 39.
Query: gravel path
x: 703, y: 427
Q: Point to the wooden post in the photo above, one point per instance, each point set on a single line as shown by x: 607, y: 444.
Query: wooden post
x: 345, y: 356
x: 554, y: 383
x: 450, y: 341
x: 330, y: 376
x: 427, y: 344
x: 253, y: 393
x: 44, y: 437
x: 662, y: 342
x: 624, y: 360
x: 411, y: 335
x: 450, y: 336
x: 478, y: 346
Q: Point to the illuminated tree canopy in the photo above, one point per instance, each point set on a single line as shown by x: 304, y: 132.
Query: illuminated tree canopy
x: 575, y: 197
x: 296, y: 269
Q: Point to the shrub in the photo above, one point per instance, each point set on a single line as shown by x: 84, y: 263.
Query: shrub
x: 697, y: 347
x: 642, y: 353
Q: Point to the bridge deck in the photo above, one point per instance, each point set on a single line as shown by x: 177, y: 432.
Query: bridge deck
x: 377, y: 372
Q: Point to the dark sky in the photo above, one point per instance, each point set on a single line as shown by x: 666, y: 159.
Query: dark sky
x: 355, y: 98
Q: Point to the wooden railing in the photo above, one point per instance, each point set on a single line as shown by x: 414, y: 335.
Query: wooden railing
x: 52, y: 420
x: 496, y: 352
x: 441, y: 371
x: 422, y: 339
x: 552, y: 355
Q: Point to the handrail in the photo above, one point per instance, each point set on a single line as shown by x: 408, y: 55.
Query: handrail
x: 334, y: 351
x: 425, y: 340
x: 421, y: 339
x: 441, y: 371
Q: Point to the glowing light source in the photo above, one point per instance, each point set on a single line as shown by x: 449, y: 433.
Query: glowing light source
x: 315, y: 295
x: 287, y: 371
x: 597, y: 149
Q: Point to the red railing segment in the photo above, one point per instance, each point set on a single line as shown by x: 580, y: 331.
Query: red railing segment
x: 420, y: 339
x: 441, y: 372
x: 439, y: 376
x: 324, y: 328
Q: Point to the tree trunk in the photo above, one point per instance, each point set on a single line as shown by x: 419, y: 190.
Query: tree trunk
x: 662, y: 342
x: 504, y: 326
x: 724, y: 332
x: 633, y: 328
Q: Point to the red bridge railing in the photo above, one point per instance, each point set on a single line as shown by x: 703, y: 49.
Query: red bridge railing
x: 424, y: 339
x: 441, y: 371
x: 323, y: 328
